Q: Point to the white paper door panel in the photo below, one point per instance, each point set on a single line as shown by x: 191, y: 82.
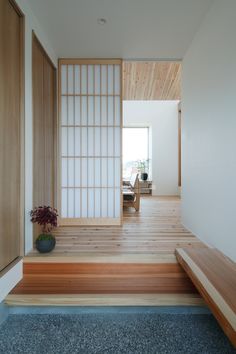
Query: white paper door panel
x: 90, y: 124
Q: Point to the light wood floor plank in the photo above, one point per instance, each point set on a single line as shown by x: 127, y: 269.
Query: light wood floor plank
x: 106, y: 300
x: 152, y: 233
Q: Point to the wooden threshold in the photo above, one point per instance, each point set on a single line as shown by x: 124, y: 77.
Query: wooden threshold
x: 214, y: 275
x: 77, y: 257
x: 106, y: 300
x: 90, y: 222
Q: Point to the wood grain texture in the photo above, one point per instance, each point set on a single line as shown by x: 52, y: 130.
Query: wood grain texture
x: 155, y: 231
x: 77, y: 257
x: 11, y: 128
x: 136, y: 258
x: 105, y: 300
x: 44, y: 124
x: 215, y: 277
x: 151, y: 80
x: 89, y: 221
x: 95, y: 278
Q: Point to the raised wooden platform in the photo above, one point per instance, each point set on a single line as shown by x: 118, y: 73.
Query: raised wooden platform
x: 214, y: 275
x: 114, y: 263
x: 154, y: 231
x: 71, y: 282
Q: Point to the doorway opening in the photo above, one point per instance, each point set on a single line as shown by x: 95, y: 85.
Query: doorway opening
x: 152, y: 128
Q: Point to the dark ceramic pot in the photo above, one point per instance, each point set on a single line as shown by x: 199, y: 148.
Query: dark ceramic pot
x: 144, y: 176
x: 45, y: 245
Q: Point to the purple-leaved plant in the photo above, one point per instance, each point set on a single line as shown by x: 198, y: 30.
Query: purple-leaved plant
x: 46, y: 217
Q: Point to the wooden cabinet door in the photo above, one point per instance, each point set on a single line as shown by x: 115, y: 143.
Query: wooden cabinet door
x: 44, y: 122
x: 11, y: 98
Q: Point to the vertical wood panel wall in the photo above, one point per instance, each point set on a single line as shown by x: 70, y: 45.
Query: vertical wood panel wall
x: 90, y: 121
x: 44, y: 126
x: 11, y: 132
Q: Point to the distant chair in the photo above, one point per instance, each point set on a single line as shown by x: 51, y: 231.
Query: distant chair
x: 131, y: 192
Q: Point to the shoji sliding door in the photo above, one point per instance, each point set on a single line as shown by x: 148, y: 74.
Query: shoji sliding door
x: 90, y: 141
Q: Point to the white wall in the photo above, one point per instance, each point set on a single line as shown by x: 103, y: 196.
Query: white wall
x: 30, y: 24
x: 162, y: 117
x: 209, y: 130
x: 9, y: 278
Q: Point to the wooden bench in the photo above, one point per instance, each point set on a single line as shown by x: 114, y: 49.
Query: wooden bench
x: 131, y: 193
x: 214, y: 275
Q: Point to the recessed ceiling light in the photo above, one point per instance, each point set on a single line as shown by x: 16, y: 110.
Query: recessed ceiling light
x: 102, y: 21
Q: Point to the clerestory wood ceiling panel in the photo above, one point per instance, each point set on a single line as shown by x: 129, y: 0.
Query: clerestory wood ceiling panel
x: 151, y: 80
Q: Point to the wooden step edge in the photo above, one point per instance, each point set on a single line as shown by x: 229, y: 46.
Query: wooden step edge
x: 101, y: 258
x: 224, y: 314
x: 106, y: 300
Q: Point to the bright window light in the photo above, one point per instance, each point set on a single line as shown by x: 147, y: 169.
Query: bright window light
x: 135, y: 148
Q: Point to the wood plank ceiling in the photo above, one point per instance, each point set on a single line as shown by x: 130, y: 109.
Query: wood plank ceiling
x: 151, y: 80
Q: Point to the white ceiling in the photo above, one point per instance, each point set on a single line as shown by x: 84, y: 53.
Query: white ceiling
x: 152, y: 29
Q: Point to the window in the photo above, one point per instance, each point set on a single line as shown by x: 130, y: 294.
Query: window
x: 135, y: 150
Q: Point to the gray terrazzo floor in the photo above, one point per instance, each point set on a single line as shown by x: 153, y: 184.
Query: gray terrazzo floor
x: 110, y: 333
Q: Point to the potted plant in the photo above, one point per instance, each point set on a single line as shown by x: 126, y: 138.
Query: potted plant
x: 46, y: 217
x: 142, y: 166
